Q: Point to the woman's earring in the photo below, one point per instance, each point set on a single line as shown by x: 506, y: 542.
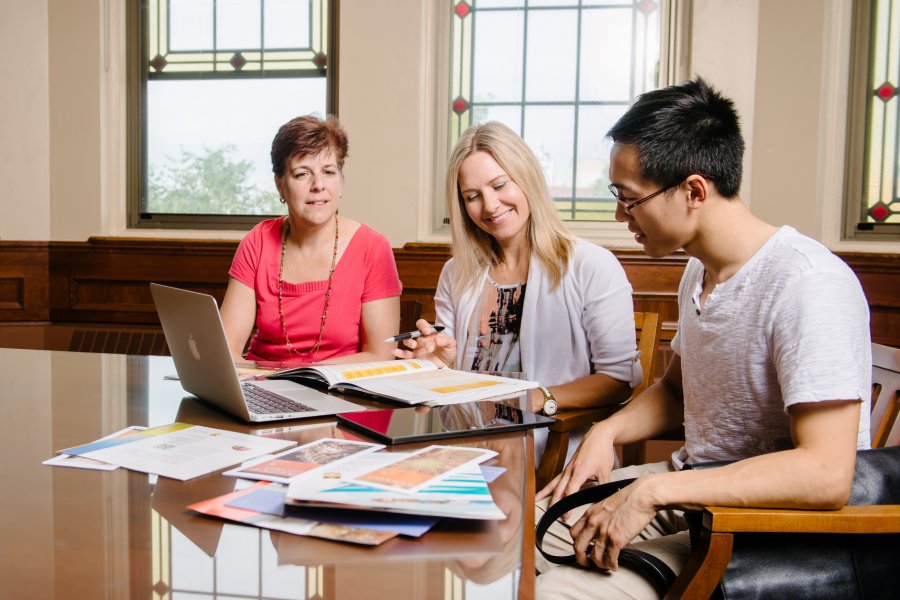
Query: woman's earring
x: 281, y: 199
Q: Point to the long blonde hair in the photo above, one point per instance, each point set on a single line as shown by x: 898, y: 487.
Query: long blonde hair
x: 474, y: 249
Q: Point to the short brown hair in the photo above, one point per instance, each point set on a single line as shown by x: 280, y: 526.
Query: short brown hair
x: 308, y: 136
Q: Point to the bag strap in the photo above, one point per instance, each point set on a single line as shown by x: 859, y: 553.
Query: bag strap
x: 658, y: 573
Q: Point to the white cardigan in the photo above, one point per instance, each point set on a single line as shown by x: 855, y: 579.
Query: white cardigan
x: 584, y: 326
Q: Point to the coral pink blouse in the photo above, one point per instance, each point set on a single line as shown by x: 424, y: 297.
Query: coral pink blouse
x: 365, y: 272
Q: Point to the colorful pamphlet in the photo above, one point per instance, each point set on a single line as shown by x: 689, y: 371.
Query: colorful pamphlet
x: 179, y: 450
x: 460, y: 492
x: 288, y: 465
x: 220, y: 507
x: 422, y: 468
x: 270, y: 500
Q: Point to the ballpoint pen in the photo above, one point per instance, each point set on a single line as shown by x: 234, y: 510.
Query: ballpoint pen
x: 411, y: 335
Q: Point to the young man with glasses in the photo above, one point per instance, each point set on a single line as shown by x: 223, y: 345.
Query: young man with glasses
x: 772, y: 364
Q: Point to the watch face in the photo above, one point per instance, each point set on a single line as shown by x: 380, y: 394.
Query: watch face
x: 550, y: 407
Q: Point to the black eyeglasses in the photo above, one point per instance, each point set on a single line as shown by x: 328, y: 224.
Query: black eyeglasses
x: 629, y: 206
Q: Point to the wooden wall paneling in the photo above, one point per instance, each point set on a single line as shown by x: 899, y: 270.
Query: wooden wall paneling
x: 879, y: 275
x: 654, y: 282
x: 419, y: 266
x: 24, y: 286
x: 106, y: 280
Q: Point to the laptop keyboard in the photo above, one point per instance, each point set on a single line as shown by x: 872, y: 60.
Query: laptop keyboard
x: 264, y: 402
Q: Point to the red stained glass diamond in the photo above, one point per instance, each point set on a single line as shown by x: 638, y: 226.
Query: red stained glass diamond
x: 320, y: 60
x: 238, y: 61
x: 158, y: 63
x: 886, y: 91
x: 647, y: 6
x: 879, y: 212
x: 462, y: 9
x: 460, y: 105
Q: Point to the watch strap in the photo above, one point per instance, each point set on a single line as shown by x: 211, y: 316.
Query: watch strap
x: 548, y: 396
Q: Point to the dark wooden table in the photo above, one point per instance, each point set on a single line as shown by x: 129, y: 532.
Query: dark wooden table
x: 75, y: 533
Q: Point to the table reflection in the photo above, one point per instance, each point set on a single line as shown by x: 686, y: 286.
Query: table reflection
x: 119, y: 534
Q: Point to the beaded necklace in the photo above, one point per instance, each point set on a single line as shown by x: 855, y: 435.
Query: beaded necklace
x: 287, y: 341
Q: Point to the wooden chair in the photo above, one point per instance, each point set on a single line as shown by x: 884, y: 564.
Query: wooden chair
x: 647, y: 326
x: 710, y: 558
x: 410, y: 310
x: 885, y: 396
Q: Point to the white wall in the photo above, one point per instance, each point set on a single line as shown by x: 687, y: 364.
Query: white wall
x: 75, y: 127
x: 24, y: 122
x: 725, y: 55
x: 384, y: 105
x: 788, y: 102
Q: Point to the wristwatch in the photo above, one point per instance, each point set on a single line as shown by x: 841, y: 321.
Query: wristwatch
x: 550, y: 405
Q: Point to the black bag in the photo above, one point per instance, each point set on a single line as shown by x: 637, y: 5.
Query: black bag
x: 794, y: 566
x: 653, y: 569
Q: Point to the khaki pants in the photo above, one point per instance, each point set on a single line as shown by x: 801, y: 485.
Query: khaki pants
x: 665, y: 537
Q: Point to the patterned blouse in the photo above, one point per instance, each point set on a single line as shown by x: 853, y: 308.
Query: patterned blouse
x: 493, y: 340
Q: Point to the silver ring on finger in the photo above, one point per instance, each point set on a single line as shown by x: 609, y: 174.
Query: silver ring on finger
x: 589, y: 550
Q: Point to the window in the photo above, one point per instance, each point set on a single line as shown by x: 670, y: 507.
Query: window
x: 560, y: 73
x: 211, y: 82
x: 872, y: 198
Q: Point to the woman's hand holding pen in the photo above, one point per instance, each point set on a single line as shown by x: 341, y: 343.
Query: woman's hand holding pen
x: 431, y: 345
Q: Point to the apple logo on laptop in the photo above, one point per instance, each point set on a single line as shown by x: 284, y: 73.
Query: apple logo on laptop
x: 192, y: 344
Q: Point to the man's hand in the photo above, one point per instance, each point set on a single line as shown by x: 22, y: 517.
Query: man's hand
x: 593, y: 461
x: 432, y: 346
x: 608, y: 526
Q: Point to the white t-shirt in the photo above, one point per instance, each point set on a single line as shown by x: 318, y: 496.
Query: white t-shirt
x: 791, y: 326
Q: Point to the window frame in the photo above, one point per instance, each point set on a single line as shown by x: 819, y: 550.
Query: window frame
x: 674, y: 67
x: 135, y: 129
x: 856, y: 157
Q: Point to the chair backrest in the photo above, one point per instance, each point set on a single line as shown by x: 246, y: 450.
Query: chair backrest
x: 885, y: 396
x: 410, y: 310
x: 647, y: 327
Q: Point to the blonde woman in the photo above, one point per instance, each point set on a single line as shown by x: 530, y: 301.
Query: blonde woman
x: 521, y: 294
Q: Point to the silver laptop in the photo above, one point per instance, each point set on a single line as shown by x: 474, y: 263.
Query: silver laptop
x: 196, y: 339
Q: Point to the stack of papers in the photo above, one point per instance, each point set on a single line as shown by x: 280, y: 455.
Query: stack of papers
x: 348, y: 491
x: 441, y: 481
x: 80, y: 462
x: 334, y: 489
x: 244, y: 507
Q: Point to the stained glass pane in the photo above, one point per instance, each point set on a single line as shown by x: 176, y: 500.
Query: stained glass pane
x: 560, y: 72
x: 509, y: 114
x: 287, y: 24
x: 193, y: 37
x: 551, y: 56
x: 484, y: 4
x: 497, y: 56
x: 605, y: 32
x: 550, y: 133
x: 190, y: 24
x: 551, y: 3
x: 592, y: 170
x: 882, y: 186
x: 238, y: 24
